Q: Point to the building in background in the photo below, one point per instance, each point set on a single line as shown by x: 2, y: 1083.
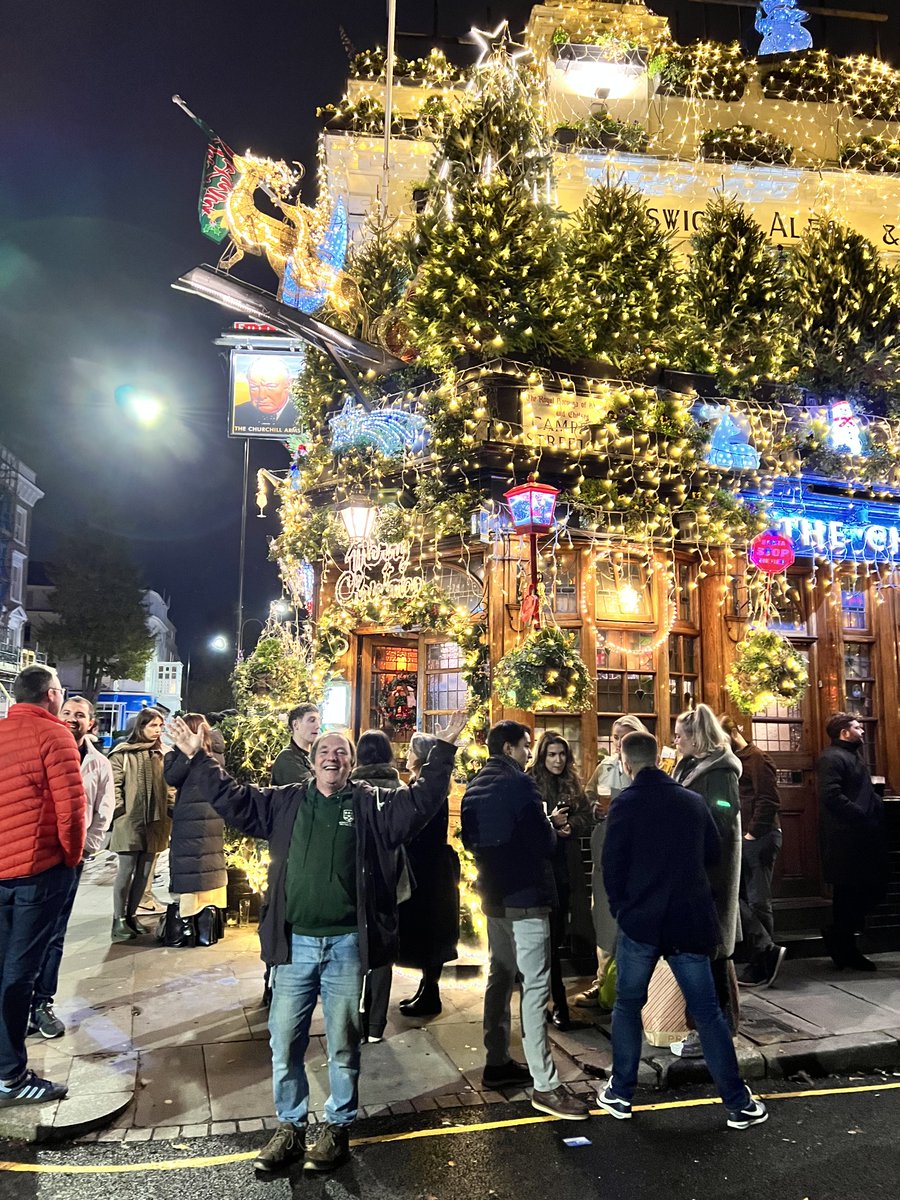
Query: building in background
x: 19, y: 494
x: 162, y: 680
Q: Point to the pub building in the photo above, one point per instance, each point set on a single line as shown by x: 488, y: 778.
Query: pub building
x: 658, y: 626
x: 656, y: 619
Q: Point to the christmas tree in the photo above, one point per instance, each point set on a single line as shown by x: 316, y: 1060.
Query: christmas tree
x: 846, y: 315
x: 781, y: 24
x: 737, y: 289
x: 488, y: 243
x: 623, y: 285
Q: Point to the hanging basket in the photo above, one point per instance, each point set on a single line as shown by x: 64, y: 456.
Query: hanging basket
x: 767, y: 670
x: 545, y: 672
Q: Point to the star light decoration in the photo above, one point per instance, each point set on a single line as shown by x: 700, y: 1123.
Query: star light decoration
x: 496, y: 43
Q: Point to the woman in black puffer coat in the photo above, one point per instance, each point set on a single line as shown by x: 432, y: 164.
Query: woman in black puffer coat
x: 196, y: 855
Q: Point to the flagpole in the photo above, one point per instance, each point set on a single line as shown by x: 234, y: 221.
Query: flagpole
x: 388, y: 101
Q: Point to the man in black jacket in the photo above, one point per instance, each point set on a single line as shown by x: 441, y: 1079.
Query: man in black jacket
x: 504, y: 825
x: 854, y: 846
x: 660, y: 839
x: 331, y: 913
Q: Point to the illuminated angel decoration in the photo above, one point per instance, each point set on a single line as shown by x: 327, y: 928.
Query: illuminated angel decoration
x: 390, y: 430
x: 306, y: 251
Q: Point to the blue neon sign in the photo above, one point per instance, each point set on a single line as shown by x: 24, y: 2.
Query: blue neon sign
x: 833, y: 527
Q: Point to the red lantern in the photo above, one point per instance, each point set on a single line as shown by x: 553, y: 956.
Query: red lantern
x: 532, y: 506
x: 771, y: 552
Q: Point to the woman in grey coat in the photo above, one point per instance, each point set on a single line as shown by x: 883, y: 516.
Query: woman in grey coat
x: 604, y: 785
x: 709, y: 767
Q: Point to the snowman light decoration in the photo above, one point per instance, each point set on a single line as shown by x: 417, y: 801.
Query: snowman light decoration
x: 781, y: 24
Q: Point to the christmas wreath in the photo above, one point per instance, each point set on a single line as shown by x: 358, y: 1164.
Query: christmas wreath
x: 545, y: 672
x: 394, y: 702
x: 767, y: 670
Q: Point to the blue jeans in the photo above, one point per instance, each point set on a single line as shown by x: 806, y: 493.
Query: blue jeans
x: 28, y: 911
x: 330, y: 966
x: 634, y: 966
x: 48, y: 976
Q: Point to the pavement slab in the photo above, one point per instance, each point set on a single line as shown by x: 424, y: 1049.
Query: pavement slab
x: 172, y: 1087
x: 239, y: 1078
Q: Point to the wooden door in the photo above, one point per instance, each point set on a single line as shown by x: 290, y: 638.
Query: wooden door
x: 388, y: 692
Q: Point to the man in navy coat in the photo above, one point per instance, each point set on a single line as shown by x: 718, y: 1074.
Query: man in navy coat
x: 660, y: 838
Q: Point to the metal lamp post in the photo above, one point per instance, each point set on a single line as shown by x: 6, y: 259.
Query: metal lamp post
x: 532, y: 506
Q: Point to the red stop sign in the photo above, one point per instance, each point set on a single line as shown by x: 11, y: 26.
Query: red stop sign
x: 771, y: 552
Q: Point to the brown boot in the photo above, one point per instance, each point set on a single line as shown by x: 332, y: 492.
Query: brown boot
x: 330, y: 1149
x: 559, y: 1103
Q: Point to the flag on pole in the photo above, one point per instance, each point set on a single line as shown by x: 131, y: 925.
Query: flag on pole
x: 217, y: 182
x: 219, y: 173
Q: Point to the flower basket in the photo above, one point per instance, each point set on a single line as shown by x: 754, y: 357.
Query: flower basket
x: 767, y: 670
x: 872, y: 153
x: 743, y: 143
x: 545, y: 672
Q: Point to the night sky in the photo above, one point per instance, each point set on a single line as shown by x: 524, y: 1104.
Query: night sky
x: 99, y: 176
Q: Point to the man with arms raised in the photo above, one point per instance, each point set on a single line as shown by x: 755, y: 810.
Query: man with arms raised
x: 41, y: 842
x: 331, y: 914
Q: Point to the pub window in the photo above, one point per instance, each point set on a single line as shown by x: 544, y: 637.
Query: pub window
x: 686, y: 593
x: 623, y: 591
x: 859, y: 691
x: 445, y: 688
x: 464, y: 589
x: 626, y: 678
x: 684, y: 673
x: 853, y: 608
x: 568, y: 727
x: 788, y: 613
x: 562, y: 586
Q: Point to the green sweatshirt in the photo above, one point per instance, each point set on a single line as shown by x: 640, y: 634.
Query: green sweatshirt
x: 321, y: 869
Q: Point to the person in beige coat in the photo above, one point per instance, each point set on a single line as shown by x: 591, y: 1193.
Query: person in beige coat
x: 141, y: 824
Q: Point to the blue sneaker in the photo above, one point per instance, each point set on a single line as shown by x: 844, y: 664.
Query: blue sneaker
x: 614, y: 1105
x: 754, y: 1112
x: 30, y: 1089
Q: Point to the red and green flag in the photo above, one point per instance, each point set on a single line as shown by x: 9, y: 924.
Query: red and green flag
x: 219, y: 174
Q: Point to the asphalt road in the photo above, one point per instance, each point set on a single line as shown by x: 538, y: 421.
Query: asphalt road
x: 816, y: 1146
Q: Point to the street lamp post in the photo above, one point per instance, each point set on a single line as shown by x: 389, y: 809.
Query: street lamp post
x: 532, y: 506
x: 217, y: 644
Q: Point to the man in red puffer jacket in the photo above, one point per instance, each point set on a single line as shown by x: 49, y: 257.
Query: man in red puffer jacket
x: 42, y: 816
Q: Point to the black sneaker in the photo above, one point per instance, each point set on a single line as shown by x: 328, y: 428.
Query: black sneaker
x: 330, y: 1149
x: 614, y: 1105
x: 30, y: 1089
x: 510, y: 1075
x: 286, y: 1145
x: 46, y: 1022
x: 754, y: 1112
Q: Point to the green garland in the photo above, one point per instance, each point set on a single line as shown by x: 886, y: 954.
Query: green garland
x: 547, y: 672
x: 766, y: 670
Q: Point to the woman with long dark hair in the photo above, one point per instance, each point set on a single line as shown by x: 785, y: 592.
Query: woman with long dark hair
x: 429, y: 919
x: 197, y: 872
x: 140, y: 825
x: 556, y: 776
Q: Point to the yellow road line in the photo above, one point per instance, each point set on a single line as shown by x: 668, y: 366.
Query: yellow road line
x: 218, y: 1160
